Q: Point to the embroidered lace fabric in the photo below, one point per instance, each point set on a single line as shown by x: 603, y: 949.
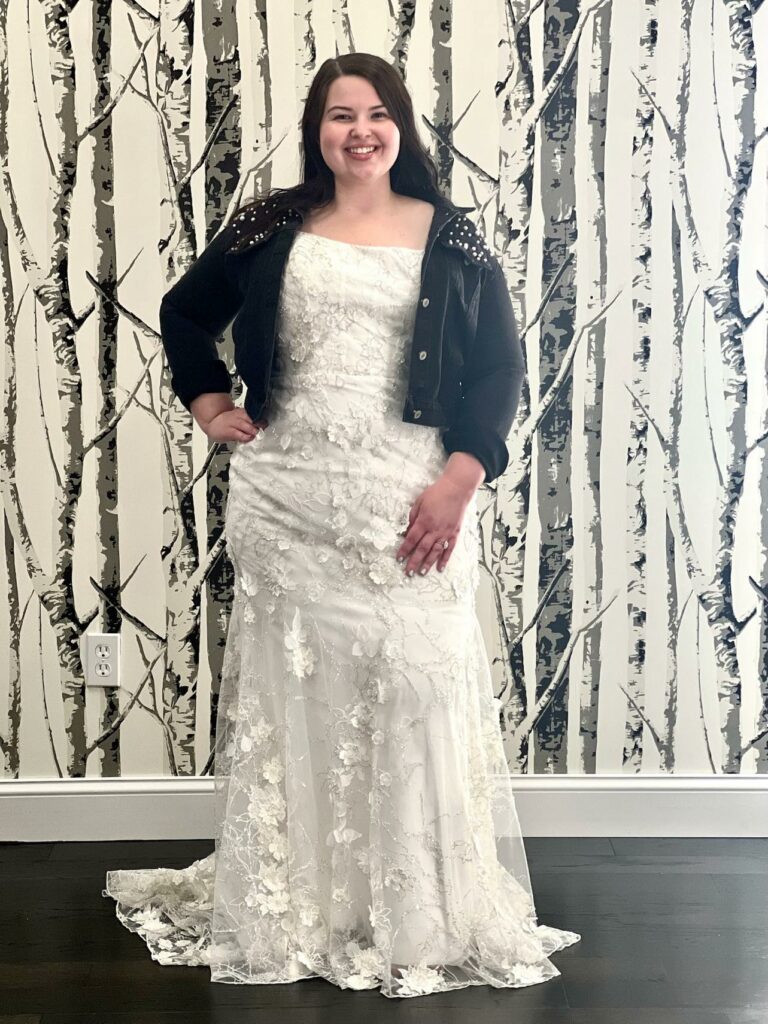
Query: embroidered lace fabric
x: 365, y: 825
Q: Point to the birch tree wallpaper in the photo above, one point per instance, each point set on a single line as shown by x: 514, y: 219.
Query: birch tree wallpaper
x: 615, y: 155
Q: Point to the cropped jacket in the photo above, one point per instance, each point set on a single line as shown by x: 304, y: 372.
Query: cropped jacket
x: 466, y: 364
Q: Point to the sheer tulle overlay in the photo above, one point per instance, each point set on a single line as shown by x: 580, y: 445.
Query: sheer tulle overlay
x: 365, y: 826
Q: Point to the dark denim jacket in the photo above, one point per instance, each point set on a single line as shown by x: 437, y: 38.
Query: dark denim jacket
x: 466, y: 365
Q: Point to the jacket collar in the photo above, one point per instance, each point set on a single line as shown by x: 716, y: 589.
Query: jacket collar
x: 445, y: 213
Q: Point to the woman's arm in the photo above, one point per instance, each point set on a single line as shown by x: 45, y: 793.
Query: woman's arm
x: 194, y: 314
x: 492, y: 381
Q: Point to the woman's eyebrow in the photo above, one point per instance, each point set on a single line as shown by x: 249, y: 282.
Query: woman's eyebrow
x: 337, y: 106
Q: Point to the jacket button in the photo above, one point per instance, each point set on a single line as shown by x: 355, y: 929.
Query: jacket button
x: 422, y: 355
x: 416, y: 413
x: 425, y: 301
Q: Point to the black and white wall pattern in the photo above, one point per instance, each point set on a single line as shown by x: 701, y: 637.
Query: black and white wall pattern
x: 616, y: 157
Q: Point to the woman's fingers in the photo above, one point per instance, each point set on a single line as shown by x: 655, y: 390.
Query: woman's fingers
x: 445, y: 555
x: 251, y: 427
x: 242, y: 435
x: 425, y: 554
x: 242, y: 431
x: 435, y: 556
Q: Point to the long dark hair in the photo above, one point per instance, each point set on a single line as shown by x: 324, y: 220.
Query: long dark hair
x: 412, y: 174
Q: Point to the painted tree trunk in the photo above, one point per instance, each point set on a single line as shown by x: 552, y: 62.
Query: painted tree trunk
x: 342, y: 27
x: 107, y: 568
x: 53, y: 293
x: 594, y: 252
x: 637, y: 450
x: 761, y: 569
x: 442, y: 77
x: 553, y: 454
x: 180, y: 547
x: 400, y: 32
x: 305, y: 47
x: 512, y: 504
x: 672, y: 425
x: 10, y: 734
x: 224, y: 159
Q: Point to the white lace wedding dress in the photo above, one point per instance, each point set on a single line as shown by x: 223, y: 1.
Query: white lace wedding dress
x: 366, y: 830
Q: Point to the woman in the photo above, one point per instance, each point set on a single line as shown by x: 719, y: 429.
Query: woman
x: 366, y: 831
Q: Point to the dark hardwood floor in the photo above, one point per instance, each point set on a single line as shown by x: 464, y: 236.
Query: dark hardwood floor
x: 674, y: 931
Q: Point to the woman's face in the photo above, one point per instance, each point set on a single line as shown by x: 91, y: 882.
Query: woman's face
x: 355, y: 116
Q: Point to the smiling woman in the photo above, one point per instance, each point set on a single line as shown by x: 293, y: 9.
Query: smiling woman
x: 366, y: 830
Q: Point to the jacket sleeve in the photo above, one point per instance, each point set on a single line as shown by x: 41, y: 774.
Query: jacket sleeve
x: 193, y: 315
x: 492, y: 380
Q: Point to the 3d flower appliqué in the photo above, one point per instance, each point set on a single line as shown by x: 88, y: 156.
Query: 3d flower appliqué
x: 299, y: 656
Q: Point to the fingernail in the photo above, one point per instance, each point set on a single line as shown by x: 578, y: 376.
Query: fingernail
x: 422, y: 571
x: 410, y: 572
x: 401, y: 558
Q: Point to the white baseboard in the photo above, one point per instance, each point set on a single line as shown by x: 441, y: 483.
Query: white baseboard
x: 152, y: 807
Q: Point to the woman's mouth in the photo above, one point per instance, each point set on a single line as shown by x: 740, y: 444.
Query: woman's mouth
x: 361, y: 152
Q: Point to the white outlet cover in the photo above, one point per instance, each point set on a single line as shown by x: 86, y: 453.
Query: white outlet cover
x: 111, y: 643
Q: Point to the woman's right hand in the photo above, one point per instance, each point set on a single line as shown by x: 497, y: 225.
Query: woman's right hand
x: 221, y: 420
x: 234, y: 425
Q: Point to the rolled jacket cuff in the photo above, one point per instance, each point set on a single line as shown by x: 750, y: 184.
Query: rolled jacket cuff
x: 190, y: 383
x: 482, y: 442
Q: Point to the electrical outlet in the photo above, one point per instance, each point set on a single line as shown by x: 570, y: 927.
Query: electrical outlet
x: 101, y: 659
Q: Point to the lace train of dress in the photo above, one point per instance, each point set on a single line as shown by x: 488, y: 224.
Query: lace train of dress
x: 365, y: 825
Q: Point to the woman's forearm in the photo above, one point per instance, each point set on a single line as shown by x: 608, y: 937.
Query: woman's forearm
x: 465, y: 470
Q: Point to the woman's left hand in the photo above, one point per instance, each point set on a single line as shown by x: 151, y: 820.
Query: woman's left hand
x: 435, y: 516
